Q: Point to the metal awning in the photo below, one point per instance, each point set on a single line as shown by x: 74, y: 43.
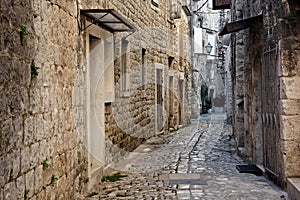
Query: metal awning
x: 186, y: 10
x: 239, y: 25
x: 108, y: 19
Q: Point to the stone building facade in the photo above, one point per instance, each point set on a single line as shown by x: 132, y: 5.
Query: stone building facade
x: 77, y: 95
x: 265, y: 74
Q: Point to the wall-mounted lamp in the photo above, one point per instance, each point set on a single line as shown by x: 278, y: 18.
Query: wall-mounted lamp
x: 208, y: 48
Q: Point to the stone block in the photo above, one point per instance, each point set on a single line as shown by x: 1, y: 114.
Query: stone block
x: 68, y: 117
x: 290, y: 60
x: 290, y: 128
x: 10, y: 191
x: 289, y: 88
x: 34, y: 97
x: 289, y: 107
x: 41, y: 195
x: 1, y: 194
x: 33, y: 198
x: 62, y: 187
x: 15, y: 73
x: 8, y: 139
x: 3, y: 102
x: 60, y: 144
x: 25, y: 159
x: 44, y: 150
x: 38, y: 179
x: 18, y: 132
x: 47, y: 174
x: 5, y: 69
x: 35, y: 155
x: 5, y: 169
x: 29, y: 183
x: 24, y: 99
x: 50, y: 193
x: 291, y: 151
x: 293, y: 188
x: 40, y: 131
x: 20, y: 187
x: 45, y: 98
x: 59, y: 165
x: 29, y: 130
x: 52, y: 147
x: 67, y: 162
x: 15, y: 163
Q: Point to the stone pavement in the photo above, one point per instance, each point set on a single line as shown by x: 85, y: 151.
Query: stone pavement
x: 196, y: 162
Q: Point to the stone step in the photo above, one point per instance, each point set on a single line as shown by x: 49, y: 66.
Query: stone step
x: 293, y: 188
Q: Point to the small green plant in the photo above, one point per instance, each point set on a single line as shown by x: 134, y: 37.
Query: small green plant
x: 86, y: 180
x: 22, y: 30
x: 45, y: 164
x: 53, y: 180
x: 113, y: 178
x: 34, y: 70
x: 92, y: 194
x: 26, y: 195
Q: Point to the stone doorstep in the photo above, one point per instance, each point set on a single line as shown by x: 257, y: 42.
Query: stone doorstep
x: 183, y: 179
x: 184, y: 176
x: 179, y: 176
x: 261, y: 167
x: 293, y: 188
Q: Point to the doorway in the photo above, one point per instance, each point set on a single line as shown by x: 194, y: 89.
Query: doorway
x: 159, y: 101
x: 270, y: 112
x: 180, y: 96
x: 171, y: 102
x: 95, y: 108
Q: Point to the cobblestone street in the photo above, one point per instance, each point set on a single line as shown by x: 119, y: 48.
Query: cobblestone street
x: 196, y: 162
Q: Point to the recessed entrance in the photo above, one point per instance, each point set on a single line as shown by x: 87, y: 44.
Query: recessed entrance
x: 96, y: 136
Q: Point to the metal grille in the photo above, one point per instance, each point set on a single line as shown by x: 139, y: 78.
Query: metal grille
x: 270, y: 119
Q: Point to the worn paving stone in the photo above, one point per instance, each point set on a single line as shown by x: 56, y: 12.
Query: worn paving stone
x: 203, y: 151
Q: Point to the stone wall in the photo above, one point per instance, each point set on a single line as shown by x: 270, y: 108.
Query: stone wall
x: 41, y: 156
x: 237, y: 74
x: 133, y: 116
x: 43, y: 150
x: 228, y: 84
x: 288, y: 28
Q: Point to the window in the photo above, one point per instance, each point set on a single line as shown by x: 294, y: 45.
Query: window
x: 124, y: 66
x: 170, y: 62
x: 143, y: 69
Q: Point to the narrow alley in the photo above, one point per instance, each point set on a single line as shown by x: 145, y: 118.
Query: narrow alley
x: 149, y: 99
x: 197, y: 162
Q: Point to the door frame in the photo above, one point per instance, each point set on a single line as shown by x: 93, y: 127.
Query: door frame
x: 94, y: 173
x: 159, y: 67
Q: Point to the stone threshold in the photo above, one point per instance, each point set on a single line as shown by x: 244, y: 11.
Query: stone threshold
x: 293, y: 188
x: 184, y: 178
